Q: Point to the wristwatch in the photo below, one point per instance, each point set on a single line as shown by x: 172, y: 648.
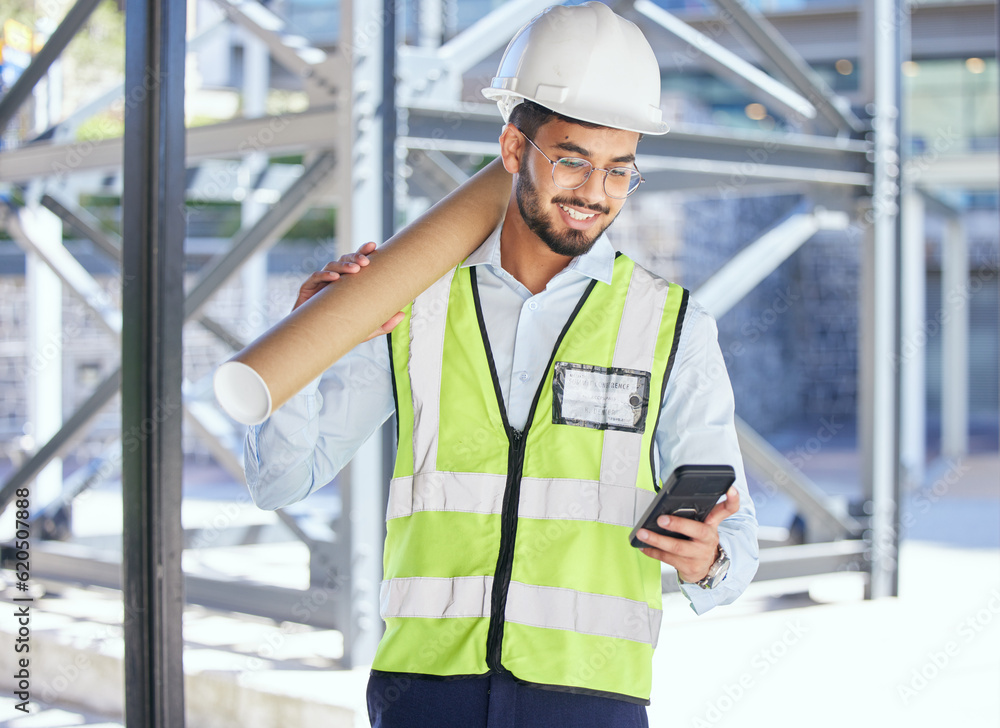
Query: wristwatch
x: 716, y: 572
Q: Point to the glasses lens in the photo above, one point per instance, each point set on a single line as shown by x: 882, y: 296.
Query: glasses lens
x: 571, y: 172
x: 620, y: 182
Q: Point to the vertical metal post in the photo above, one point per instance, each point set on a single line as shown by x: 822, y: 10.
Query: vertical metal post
x: 889, y: 18
x: 360, y: 219
x: 430, y: 22
x: 913, y: 345
x: 390, y: 121
x: 253, y: 275
x: 45, y: 347
x: 153, y: 314
x: 955, y: 341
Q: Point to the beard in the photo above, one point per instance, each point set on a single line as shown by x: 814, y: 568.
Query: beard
x: 569, y: 242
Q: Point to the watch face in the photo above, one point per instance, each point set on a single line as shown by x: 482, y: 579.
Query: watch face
x: 719, y: 575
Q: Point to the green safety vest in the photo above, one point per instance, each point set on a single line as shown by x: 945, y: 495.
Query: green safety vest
x: 508, y: 551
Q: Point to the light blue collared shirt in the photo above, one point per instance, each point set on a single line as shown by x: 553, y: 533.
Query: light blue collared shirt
x: 303, y: 445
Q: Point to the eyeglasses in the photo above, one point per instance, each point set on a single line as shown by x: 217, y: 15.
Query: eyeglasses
x: 570, y: 173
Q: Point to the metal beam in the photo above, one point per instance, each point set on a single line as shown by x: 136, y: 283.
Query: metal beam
x: 73, y: 564
x: 84, y: 478
x: 470, y: 129
x: 62, y: 441
x: 790, y: 562
x: 759, y: 259
x: 153, y: 228
x: 817, y: 507
x: 69, y: 270
x: 310, y: 131
x: 939, y: 171
x: 448, y: 123
x: 319, y: 72
x: 88, y: 226
x: 426, y: 73
x: 780, y: 52
x: 39, y: 66
x: 728, y: 65
x: 264, y: 233
x: 67, y: 127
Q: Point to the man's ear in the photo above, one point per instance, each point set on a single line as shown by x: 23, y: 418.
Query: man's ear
x: 512, y: 146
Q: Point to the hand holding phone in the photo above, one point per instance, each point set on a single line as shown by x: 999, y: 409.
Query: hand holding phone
x: 691, y: 491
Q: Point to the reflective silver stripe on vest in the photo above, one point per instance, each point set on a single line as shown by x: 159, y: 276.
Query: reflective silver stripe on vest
x: 427, y: 326
x: 573, y: 500
x: 582, y: 500
x: 576, y: 611
x: 635, y: 349
x: 536, y: 606
x: 464, y: 492
x: 435, y: 597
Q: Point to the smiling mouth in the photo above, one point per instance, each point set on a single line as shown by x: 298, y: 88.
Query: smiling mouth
x: 576, y: 214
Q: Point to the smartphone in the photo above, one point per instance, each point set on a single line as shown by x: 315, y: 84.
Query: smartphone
x: 691, y: 491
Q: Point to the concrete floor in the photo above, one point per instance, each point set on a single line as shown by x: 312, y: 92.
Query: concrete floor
x: 792, y: 653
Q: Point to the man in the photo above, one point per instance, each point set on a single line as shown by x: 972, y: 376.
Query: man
x: 543, y: 391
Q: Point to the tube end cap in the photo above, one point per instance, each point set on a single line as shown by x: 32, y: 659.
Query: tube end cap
x: 242, y: 393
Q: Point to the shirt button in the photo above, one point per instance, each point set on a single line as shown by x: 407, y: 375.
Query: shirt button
x: 523, y: 376
x: 532, y: 305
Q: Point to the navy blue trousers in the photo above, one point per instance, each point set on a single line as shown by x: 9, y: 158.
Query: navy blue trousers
x: 490, y: 701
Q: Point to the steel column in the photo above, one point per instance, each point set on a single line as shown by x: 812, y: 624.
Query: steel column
x: 913, y: 344
x: 955, y: 292
x: 360, y: 219
x: 45, y: 349
x: 884, y: 241
x: 153, y: 307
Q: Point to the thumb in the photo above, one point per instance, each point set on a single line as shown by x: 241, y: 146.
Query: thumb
x: 726, y: 508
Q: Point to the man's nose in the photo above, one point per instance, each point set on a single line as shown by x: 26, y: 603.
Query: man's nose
x: 592, y: 190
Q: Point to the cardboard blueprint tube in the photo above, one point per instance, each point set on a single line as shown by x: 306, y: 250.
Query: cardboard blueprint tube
x: 299, y: 348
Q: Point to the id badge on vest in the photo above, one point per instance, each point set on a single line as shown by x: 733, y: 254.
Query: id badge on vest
x: 601, y: 398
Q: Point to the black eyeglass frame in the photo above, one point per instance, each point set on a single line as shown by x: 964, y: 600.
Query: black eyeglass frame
x: 593, y: 169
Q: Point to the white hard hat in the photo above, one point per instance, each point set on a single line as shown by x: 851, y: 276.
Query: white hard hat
x: 584, y: 62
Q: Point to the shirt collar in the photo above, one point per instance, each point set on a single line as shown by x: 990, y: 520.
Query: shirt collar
x: 598, y: 263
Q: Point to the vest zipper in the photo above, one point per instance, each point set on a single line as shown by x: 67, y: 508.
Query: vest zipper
x: 512, y: 489
x: 505, y: 561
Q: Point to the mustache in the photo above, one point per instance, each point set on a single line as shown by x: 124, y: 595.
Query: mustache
x: 573, y: 202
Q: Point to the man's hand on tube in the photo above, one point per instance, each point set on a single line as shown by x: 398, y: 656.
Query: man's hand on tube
x: 332, y: 271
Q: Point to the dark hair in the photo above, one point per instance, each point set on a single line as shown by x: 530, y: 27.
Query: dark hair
x: 529, y: 117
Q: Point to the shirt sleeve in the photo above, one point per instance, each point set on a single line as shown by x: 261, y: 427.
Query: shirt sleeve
x: 308, y: 440
x: 697, y: 427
